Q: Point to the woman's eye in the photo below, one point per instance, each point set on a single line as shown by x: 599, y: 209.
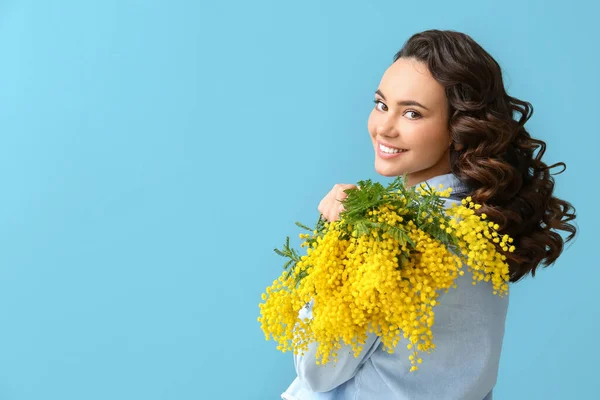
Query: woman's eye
x: 377, y: 102
x: 414, y: 113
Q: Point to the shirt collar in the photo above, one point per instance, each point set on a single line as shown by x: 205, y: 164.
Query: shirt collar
x: 450, y: 180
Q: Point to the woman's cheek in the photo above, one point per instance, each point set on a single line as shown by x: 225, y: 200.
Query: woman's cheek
x: 371, y: 124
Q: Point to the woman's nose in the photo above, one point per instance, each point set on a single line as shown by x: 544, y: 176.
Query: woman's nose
x: 386, y: 127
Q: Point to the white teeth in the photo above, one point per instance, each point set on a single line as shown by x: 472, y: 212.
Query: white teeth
x: 389, y: 150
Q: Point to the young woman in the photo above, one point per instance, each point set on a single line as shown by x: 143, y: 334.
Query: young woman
x: 442, y: 115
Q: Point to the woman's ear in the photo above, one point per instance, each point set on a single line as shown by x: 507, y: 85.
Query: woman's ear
x: 456, y: 146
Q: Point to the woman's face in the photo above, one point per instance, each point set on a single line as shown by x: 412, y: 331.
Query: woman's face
x: 411, y: 113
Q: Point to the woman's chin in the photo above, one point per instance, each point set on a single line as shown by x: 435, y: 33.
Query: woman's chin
x: 387, y: 171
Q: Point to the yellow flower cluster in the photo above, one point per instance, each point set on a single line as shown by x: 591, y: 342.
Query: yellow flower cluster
x: 477, y: 240
x: 377, y: 283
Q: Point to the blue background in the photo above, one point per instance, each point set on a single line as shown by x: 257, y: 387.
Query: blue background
x: 153, y: 153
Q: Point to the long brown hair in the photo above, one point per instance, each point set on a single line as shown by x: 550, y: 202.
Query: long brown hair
x: 498, y: 160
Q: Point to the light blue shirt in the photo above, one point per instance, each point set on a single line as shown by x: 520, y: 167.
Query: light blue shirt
x: 468, y: 333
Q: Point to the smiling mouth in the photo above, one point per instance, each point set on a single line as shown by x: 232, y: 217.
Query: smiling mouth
x: 390, y: 150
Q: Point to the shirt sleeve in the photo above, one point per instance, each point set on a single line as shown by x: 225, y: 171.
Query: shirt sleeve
x: 323, y: 378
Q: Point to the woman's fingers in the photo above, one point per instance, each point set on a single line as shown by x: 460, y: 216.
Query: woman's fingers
x: 331, y: 205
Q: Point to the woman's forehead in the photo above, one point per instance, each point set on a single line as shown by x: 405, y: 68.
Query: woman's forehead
x: 408, y: 79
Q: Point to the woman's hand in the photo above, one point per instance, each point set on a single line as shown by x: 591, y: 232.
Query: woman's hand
x: 331, y: 207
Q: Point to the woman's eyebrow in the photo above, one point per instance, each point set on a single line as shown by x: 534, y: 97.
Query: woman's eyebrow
x: 404, y: 102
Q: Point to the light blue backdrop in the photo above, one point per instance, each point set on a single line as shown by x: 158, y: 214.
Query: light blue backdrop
x: 153, y: 153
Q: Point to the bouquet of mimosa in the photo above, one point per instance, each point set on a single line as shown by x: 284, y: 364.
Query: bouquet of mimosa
x: 380, y: 268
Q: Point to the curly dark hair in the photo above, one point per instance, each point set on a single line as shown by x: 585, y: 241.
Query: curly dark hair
x: 497, y: 158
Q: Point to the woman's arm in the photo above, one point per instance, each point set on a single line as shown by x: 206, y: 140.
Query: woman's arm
x: 323, y: 378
